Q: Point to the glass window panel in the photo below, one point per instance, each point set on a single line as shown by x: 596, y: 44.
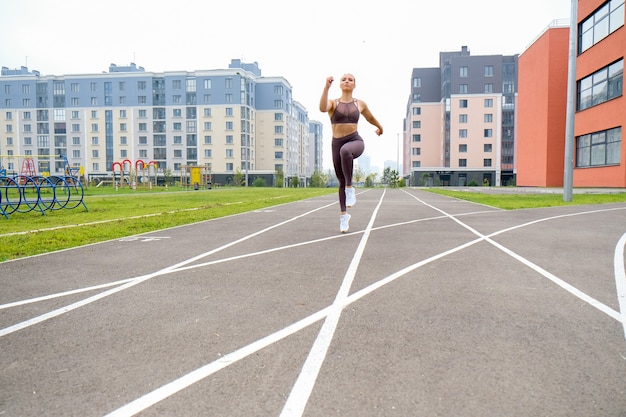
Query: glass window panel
x: 601, y: 30
x: 599, y: 93
x: 598, y: 138
x: 617, y: 18
x: 612, y: 152
x: 598, y: 154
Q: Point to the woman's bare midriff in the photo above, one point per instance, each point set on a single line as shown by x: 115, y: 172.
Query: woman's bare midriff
x: 343, y: 129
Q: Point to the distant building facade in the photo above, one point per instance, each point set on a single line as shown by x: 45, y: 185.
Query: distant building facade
x: 600, y: 110
x: 459, y: 126
x: 227, y: 120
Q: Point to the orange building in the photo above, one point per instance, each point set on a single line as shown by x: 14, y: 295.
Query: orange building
x: 600, y: 157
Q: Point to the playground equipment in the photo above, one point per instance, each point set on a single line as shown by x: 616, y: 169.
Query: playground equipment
x: 196, y: 176
x: 125, y: 173
x: 28, y: 191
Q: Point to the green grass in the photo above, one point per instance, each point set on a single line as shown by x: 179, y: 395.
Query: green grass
x: 514, y: 201
x: 114, y: 214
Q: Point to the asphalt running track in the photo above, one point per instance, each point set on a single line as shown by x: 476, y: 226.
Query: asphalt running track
x: 429, y: 306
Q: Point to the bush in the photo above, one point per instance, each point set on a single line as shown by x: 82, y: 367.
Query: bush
x: 258, y: 182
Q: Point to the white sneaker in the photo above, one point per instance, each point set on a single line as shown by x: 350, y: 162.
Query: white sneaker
x: 344, y: 220
x: 350, y: 197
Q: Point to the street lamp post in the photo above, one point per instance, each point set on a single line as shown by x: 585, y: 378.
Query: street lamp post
x: 571, y: 103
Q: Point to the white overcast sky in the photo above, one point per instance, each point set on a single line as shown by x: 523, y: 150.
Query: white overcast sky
x: 302, y: 41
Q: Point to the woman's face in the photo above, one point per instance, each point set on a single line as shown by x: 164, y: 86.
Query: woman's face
x: 347, y: 82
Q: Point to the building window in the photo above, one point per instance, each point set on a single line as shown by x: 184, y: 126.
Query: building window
x: 417, y: 82
x: 488, y: 102
x: 488, y: 133
x: 463, y: 162
x: 208, y: 153
x: 463, y: 89
x: 417, y: 138
x: 416, y: 151
x: 230, y: 139
x: 601, y: 86
x: 278, y: 155
x: 488, y: 70
x: 487, y: 162
x: 208, y: 140
x: 463, y: 103
x: 178, y: 140
x: 178, y: 153
x: 278, y: 142
x: 462, y: 133
x: 599, y: 149
x: 417, y: 164
x: 463, y: 72
x: 417, y: 111
x: 462, y: 118
x: 417, y: 124
x: 463, y: 148
x: 488, y: 117
x: 488, y: 88
x: 606, y: 20
x: 487, y: 147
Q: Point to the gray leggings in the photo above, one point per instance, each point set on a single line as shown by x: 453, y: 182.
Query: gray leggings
x: 345, y: 150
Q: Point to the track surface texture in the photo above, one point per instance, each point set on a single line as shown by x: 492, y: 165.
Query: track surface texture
x: 428, y: 306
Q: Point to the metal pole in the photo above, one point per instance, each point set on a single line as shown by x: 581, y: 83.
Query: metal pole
x: 568, y: 174
x: 398, y: 153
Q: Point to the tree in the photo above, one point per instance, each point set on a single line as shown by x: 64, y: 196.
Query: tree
x: 167, y: 177
x: 238, y: 178
x: 370, y: 181
x: 358, y: 174
x: 386, y: 176
x: 318, y: 179
x: 393, y: 178
x: 280, y: 178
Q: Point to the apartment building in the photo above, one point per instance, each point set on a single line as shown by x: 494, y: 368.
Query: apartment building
x: 459, y: 127
x: 224, y: 120
x: 600, y: 110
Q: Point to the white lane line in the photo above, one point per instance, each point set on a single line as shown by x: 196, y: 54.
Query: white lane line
x: 140, y: 279
x: 151, y: 398
x: 64, y: 294
x: 567, y: 287
x: 217, y: 261
x: 620, y: 277
x: 161, y: 393
x: 301, y: 391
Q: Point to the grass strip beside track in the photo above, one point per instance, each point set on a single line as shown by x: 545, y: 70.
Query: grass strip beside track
x: 524, y: 200
x: 113, y: 216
